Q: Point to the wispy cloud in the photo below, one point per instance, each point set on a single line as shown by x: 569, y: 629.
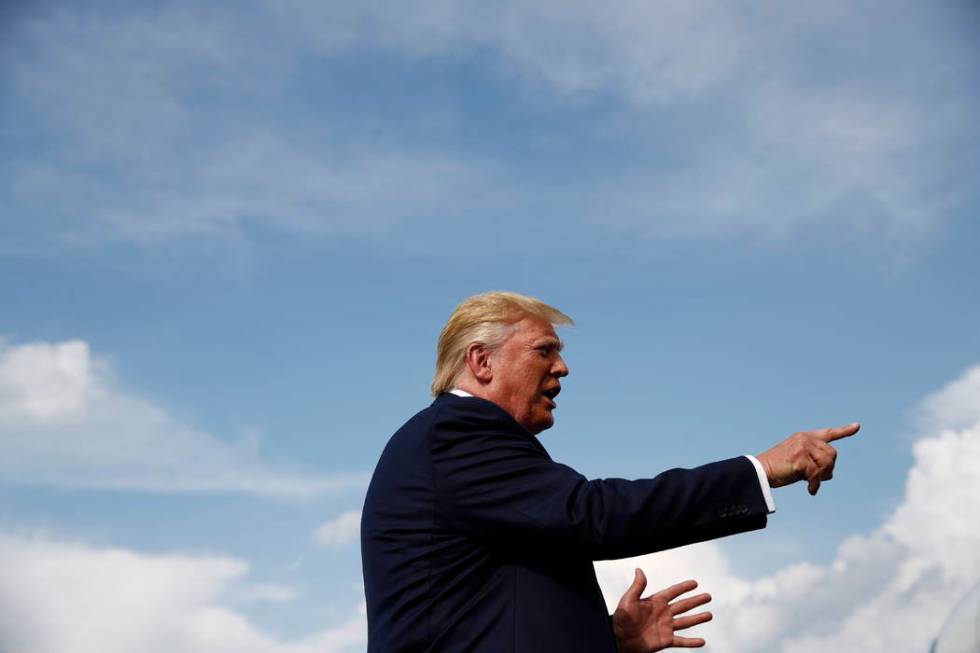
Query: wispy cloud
x: 266, y: 593
x: 337, y: 532
x: 157, y: 123
x: 166, y: 123
x: 64, y: 421
x: 911, y: 569
x: 650, y: 52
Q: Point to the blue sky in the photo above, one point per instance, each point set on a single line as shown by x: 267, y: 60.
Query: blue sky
x: 230, y: 235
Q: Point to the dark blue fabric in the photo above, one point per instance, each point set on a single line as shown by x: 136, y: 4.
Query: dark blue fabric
x: 474, y: 539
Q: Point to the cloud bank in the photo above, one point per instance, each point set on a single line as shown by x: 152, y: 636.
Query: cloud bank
x: 58, y: 596
x: 887, y: 590
x: 65, y: 422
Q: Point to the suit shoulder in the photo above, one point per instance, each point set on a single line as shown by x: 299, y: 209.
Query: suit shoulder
x: 449, y: 409
x: 453, y: 423
x: 445, y: 411
x: 404, y: 463
x: 470, y: 426
x: 470, y: 414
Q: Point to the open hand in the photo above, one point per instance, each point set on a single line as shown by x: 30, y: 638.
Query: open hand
x: 644, y: 625
x: 805, y: 455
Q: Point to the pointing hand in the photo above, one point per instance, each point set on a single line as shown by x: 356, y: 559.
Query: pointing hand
x: 805, y: 455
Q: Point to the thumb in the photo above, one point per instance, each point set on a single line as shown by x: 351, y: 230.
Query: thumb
x: 813, y: 486
x: 639, y: 584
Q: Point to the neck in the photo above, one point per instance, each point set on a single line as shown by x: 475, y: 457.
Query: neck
x: 473, y: 387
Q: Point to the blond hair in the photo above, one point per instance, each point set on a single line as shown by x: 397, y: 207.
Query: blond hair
x: 486, y: 319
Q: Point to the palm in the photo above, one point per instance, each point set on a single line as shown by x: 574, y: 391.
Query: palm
x: 649, y: 624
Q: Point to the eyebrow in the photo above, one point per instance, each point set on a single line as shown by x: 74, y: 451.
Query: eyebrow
x: 555, y: 343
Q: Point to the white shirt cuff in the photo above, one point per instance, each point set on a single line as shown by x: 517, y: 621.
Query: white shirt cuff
x: 764, y: 484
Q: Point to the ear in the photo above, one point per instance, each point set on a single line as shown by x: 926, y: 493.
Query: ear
x: 478, y: 362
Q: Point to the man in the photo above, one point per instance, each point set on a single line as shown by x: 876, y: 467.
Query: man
x: 474, y: 539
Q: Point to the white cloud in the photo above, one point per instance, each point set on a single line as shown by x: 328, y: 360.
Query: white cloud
x: 63, y: 596
x: 65, y: 422
x: 910, y: 570
x: 45, y: 382
x: 340, y: 531
x: 955, y: 406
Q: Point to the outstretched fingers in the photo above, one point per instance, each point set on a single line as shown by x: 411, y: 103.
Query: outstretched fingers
x: 680, y: 623
x: 651, y: 623
x: 674, y: 591
x: 683, y: 621
x: 688, y: 604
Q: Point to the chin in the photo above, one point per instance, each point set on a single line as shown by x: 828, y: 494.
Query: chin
x: 541, y: 424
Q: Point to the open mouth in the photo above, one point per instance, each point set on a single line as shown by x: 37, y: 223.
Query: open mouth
x: 551, y: 393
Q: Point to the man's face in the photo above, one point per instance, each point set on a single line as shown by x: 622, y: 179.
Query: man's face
x: 526, y: 373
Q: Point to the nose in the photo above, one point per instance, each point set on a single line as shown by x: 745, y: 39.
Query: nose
x: 560, y: 369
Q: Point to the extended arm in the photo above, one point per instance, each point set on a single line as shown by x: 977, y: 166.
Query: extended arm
x: 498, y: 484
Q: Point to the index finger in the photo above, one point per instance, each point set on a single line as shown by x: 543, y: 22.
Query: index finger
x: 829, y: 435
x: 674, y: 591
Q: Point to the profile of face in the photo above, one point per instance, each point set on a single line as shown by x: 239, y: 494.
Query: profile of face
x: 525, y: 372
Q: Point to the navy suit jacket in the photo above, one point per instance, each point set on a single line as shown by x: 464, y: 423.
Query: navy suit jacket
x: 474, y: 540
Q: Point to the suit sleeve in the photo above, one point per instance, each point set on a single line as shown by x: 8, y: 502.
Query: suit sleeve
x: 496, y: 483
